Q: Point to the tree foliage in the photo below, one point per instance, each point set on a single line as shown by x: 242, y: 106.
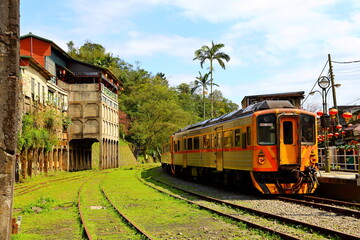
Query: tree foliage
x: 150, y: 109
x: 211, y: 54
x: 39, y: 130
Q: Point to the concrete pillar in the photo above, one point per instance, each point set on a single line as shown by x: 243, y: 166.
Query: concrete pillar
x: 46, y: 162
x: 60, y: 158
x: 105, y: 154
x: 65, y: 159
x: 23, y: 160
x: 117, y: 154
x: 29, y: 162
x: 101, y: 155
x: 10, y: 114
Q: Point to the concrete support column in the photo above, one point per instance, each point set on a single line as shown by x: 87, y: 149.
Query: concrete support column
x: 110, y: 154
x: 60, y: 157
x: 101, y: 154
x: 65, y: 159
x: 29, y: 162
x: 117, y: 154
x: 51, y: 161
x: 56, y: 160
x: 105, y: 154
x: 10, y: 115
x: 23, y: 160
x: 46, y: 162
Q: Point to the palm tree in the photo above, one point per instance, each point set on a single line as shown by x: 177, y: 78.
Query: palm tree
x: 212, y: 53
x: 203, y: 82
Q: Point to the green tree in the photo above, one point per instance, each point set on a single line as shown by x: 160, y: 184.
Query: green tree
x: 203, y: 82
x: 155, y: 114
x: 211, y: 54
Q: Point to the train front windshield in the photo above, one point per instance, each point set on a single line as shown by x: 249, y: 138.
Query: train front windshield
x: 307, y: 123
x: 266, y: 125
x: 266, y: 129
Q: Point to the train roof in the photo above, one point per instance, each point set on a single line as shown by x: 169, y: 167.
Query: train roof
x: 269, y: 104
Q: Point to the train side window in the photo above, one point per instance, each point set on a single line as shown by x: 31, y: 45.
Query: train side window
x: 237, y: 137
x: 288, y: 132
x: 189, y: 144
x: 207, y: 141
x: 196, y: 143
x: 307, y: 129
x: 243, y: 140
x: 248, y: 136
x: 228, y: 139
x: 178, y: 145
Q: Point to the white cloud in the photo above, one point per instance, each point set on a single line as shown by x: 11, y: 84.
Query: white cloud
x: 150, y: 45
x: 177, y: 79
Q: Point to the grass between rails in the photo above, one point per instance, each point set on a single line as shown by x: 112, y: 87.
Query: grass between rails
x: 51, y: 212
x: 164, y: 217
x: 296, y: 230
x: 102, y: 220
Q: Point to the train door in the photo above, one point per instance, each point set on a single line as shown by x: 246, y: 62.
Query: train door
x: 219, y: 148
x: 289, y: 147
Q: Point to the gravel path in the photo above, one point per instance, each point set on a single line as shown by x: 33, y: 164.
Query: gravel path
x: 311, y: 215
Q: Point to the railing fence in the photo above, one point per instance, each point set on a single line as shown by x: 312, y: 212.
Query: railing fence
x: 341, y: 159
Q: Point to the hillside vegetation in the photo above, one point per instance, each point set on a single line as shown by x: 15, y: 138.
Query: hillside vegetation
x: 150, y: 109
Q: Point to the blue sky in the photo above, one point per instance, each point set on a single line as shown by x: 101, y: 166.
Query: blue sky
x: 275, y: 46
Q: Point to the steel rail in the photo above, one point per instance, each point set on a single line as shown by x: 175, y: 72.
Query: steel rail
x: 233, y: 217
x: 269, y: 215
x: 347, y: 212
x: 43, y: 185
x: 124, y: 216
x: 332, y: 201
x: 85, y: 228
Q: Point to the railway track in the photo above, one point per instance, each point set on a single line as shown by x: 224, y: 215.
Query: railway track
x: 330, y: 201
x: 31, y: 188
x: 322, y: 230
x: 236, y: 217
x: 326, y: 207
x: 103, y: 223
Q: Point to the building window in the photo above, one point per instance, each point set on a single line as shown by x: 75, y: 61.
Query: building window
x: 43, y: 94
x: 33, y: 88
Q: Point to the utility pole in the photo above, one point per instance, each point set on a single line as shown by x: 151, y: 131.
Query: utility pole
x: 10, y: 113
x: 332, y: 81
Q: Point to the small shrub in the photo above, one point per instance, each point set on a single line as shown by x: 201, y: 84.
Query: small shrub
x: 44, y: 204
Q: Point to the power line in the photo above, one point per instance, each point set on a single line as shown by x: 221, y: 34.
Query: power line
x: 357, y: 61
x: 315, y: 83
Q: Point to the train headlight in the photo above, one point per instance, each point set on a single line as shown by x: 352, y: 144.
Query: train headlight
x: 261, y: 160
x: 261, y: 157
x: 313, y: 159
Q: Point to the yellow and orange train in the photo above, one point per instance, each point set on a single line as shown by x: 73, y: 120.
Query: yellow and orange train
x: 270, y: 144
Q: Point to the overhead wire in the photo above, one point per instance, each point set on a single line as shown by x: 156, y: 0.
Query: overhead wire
x: 314, y: 83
